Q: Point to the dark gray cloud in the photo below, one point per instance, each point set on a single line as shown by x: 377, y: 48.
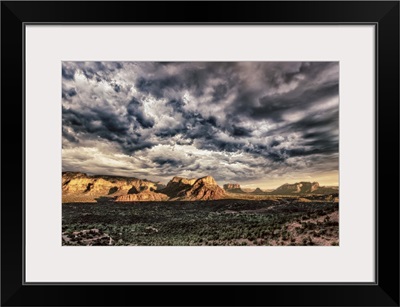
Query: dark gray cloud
x: 273, y: 107
x: 232, y: 120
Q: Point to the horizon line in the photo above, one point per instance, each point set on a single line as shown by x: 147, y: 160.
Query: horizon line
x: 227, y: 182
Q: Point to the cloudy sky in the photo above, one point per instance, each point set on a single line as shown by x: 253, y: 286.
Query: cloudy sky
x: 260, y: 124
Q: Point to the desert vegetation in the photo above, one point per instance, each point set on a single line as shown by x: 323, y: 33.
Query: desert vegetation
x: 279, y: 221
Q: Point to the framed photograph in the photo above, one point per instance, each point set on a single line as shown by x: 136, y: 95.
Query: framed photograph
x: 238, y: 146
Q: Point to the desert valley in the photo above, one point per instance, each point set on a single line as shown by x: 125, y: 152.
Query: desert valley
x: 114, y: 210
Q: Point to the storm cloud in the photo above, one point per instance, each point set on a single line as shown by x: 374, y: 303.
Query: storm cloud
x: 247, y: 122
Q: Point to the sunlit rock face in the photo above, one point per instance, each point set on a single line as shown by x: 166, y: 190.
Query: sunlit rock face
x: 205, y: 188
x: 297, y: 188
x: 78, y: 187
x: 146, y: 195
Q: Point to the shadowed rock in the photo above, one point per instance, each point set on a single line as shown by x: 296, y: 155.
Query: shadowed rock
x: 233, y: 188
x: 258, y: 191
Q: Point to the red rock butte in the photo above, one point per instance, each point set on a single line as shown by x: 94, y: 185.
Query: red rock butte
x: 79, y: 187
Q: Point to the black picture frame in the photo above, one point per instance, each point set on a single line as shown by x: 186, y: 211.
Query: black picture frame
x: 383, y: 14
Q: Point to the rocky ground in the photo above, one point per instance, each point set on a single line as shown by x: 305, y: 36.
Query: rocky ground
x: 89, y: 237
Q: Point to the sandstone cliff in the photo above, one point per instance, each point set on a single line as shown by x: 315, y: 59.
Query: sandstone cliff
x: 303, y: 188
x: 81, y: 187
x: 204, y: 188
x: 233, y: 188
x: 146, y: 195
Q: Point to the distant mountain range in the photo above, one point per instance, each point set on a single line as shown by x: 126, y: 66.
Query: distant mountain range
x: 305, y: 188
x: 80, y: 187
x: 298, y: 188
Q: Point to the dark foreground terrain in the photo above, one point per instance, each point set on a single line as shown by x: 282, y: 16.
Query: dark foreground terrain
x: 284, y: 221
